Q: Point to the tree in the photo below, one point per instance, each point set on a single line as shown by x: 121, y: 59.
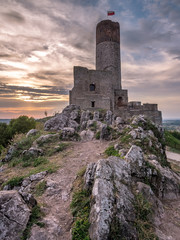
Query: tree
x: 22, y: 124
x: 5, y: 135
x: 45, y: 113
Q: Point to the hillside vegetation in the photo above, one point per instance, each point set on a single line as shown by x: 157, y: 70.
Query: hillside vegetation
x: 87, y: 176
x: 173, y: 140
x: 20, y: 125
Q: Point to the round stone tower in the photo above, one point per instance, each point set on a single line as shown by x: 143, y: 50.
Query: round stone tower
x: 108, y: 49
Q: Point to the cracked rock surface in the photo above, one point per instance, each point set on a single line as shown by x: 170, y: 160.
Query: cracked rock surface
x: 14, y: 215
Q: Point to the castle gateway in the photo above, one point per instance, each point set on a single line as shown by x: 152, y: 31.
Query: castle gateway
x: 101, y: 88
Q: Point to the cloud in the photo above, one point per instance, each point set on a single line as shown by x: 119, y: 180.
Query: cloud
x: 14, y: 17
x: 41, y: 41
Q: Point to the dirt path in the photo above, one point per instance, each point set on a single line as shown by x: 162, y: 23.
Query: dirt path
x: 173, y: 156
x: 170, y: 222
x: 56, y: 200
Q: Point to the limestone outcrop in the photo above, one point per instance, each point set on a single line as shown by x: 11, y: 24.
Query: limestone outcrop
x: 114, y: 184
x: 14, y: 215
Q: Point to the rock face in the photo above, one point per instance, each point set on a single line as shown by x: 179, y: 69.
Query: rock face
x: 112, y: 200
x: 68, y: 118
x: 112, y: 182
x: 32, y: 132
x: 141, y: 170
x: 14, y: 215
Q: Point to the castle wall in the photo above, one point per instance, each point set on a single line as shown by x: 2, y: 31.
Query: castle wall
x: 135, y: 108
x: 102, y: 95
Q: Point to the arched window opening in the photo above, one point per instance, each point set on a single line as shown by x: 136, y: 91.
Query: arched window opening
x: 92, y: 87
x: 120, y: 102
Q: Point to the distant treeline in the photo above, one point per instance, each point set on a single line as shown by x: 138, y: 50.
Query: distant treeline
x: 20, y: 125
x: 171, y: 122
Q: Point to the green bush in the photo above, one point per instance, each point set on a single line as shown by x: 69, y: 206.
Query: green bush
x: 22, y: 124
x: 111, y: 151
x: 5, y: 135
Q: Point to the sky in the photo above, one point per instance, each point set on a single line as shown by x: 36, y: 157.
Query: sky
x: 41, y: 41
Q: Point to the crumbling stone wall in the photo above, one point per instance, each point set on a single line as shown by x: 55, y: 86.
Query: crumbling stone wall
x: 101, y: 88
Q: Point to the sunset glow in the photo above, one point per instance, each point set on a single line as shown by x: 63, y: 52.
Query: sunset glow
x: 40, y: 42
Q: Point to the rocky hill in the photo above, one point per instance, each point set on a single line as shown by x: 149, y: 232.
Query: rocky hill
x: 89, y: 175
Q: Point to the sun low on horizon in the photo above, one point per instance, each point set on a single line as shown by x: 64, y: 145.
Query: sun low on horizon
x: 41, y: 41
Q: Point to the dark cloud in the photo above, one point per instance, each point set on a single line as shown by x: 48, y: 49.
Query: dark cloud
x: 51, y: 89
x: 14, y: 17
x: 5, y: 56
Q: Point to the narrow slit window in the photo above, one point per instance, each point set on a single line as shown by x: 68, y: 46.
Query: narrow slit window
x: 92, y: 87
x: 92, y: 103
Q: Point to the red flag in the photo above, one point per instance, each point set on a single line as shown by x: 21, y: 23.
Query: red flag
x: 110, y: 13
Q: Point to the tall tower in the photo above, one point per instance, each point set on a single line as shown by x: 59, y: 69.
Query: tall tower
x: 108, y: 50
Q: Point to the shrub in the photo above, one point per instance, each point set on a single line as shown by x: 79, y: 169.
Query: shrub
x: 111, y: 151
x: 22, y: 124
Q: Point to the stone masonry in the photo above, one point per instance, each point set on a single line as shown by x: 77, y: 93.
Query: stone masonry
x: 101, y: 88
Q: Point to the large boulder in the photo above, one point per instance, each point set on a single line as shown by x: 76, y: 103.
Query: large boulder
x: 14, y: 215
x: 68, y: 134
x: 32, y: 132
x: 70, y: 117
x: 46, y: 139
x: 87, y: 135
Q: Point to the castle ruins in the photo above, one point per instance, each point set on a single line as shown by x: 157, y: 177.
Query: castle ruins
x: 101, y: 88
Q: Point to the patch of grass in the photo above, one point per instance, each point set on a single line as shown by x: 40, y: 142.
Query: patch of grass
x: 14, y: 162
x: 35, y: 218
x: 40, y: 188
x: 62, y: 147
x: 111, y: 151
x: 93, y: 127
x: 39, y: 161
x: 174, y: 150
x: 98, y: 135
x: 15, y: 181
x: 81, y: 172
x: 125, y: 139
x: 80, y: 208
x: 172, y: 140
x: 143, y: 224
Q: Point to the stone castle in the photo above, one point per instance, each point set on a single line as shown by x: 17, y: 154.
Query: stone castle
x: 101, y: 88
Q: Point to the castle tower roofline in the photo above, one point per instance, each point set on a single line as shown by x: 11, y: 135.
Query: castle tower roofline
x: 107, y: 30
